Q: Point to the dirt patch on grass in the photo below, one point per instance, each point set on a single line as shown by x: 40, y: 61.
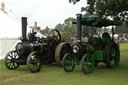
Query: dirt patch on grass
x: 16, y: 77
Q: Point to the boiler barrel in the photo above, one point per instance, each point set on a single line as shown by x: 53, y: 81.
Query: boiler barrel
x: 25, y: 48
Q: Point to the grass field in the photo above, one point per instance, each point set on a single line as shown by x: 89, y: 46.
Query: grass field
x: 54, y: 75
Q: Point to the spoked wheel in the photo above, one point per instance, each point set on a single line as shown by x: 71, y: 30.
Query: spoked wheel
x: 87, y: 64
x: 10, y: 60
x: 34, y: 62
x: 68, y: 62
x: 112, y: 55
x: 55, y: 34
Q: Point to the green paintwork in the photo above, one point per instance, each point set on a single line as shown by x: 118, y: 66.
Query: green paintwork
x: 85, y: 20
x: 96, y: 41
x: 98, y: 55
x: 88, y: 63
x: 69, y: 62
x: 89, y: 48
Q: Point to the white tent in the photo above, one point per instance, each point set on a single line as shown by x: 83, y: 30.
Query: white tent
x: 6, y: 45
x: 10, y: 30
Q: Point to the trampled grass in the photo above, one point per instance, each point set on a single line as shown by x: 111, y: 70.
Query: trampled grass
x: 54, y: 75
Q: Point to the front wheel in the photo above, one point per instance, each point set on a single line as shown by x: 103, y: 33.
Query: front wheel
x: 87, y: 64
x: 68, y: 62
x: 34, y: 62
x: 10, y: 60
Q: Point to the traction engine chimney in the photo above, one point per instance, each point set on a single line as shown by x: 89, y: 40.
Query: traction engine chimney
x: 24, y: 28
x: 79, y: 16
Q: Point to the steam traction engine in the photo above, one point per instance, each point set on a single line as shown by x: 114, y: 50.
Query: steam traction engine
x: 92, y: 48
x: 34, y: 51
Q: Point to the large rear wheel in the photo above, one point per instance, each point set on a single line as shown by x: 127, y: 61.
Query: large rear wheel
x: 34, y: 62
x: 61, y: 50
x: 68, y: 62
x: 112, y: 55
x: 87, y: 63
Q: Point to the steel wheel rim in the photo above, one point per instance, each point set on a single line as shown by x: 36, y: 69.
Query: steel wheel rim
x: 34, y: 62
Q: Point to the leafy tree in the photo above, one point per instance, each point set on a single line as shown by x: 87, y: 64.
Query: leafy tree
x: 122, y: 29
x: 116, y: 10
x: 74, y: 1
x: 59, y: 27
x: 46, y: 30
x: 69, y: 29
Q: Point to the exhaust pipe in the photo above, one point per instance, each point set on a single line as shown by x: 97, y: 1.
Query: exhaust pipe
x: 79, y: 23
x: 24, y: 28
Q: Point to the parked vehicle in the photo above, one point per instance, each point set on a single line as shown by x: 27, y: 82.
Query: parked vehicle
x: 93, y: 49
x: 35, y: 52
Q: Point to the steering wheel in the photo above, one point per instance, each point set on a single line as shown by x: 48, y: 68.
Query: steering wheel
x: 55, y: 34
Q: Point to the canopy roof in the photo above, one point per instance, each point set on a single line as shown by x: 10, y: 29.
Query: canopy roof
x: 92, y: 21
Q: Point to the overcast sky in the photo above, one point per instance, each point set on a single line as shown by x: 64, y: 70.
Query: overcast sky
x: 45, y: 12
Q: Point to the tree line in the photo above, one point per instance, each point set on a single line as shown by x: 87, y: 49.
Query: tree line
x: 67, y: 29
x: 115, y: 10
